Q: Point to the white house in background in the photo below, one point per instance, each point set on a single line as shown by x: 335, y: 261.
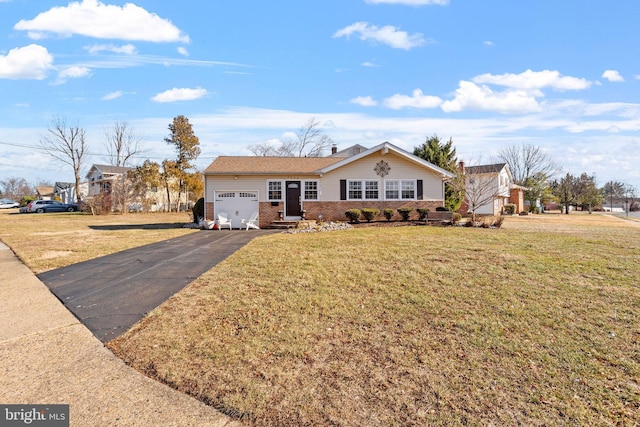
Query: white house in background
x: 66, y: 191
x: 108, y: 179
x: 101, y: 178
x: 291, y: 188
x: 490, y: 187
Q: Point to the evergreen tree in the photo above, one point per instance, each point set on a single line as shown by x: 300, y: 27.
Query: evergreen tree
x: 187, y: 147
x: 443, y: 155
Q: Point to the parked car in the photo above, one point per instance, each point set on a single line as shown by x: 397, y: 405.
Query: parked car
x: 8, y: 204
x: 41, y: 206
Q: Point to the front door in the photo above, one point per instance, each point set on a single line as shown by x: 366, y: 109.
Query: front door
x: 293, y: 198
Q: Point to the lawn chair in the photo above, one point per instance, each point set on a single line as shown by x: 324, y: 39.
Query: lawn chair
x: 224, y: 221
x: 251, y: 222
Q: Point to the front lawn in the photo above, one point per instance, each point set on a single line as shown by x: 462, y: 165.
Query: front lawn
x: 533, y: 324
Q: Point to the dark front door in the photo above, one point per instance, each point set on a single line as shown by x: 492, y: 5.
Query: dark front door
x: 293, y: 198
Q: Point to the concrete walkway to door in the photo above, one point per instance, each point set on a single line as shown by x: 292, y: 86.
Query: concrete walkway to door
x: 111, y: 293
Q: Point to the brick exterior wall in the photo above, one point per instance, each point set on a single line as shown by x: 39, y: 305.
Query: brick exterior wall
x: 208, y: 209
x: 334, y: 211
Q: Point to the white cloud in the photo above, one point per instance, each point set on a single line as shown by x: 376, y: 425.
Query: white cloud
x: 113, y: 95
x: 365, y: 101
x: 30, y: 62
x: 93, y: 18
x: 470, y: 96
x: 180, y: 94
x: 126, y: 49
x: 369, y: 64
x: 416, y: 100
x: 183, y: 51
x: 74, y: 72
x: 388, y: 35
x: 533, y: 80
x: 612, y: 76
x: 488, y: 43
x: 410, y: 2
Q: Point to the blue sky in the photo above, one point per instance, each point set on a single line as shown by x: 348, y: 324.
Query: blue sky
x: 561, y: 75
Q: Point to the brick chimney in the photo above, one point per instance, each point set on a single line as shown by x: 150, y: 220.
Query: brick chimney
x: 461, y: 167
x: 334, y: 149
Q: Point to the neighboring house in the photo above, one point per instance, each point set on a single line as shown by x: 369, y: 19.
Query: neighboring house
x: 113, y: 179
x: 489, y: 188
x: 291, y: 188
x: 66, y: 191
x: 44, y: 192
x: 102, y: 178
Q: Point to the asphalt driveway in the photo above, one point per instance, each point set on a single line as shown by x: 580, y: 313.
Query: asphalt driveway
x: 111, y: 293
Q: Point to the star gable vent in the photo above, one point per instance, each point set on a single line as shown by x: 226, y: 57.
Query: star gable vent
x: 382, y: 168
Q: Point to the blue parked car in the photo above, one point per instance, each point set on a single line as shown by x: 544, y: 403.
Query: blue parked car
x: 41, y: 206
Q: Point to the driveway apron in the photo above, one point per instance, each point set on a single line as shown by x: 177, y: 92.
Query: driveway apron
x: 111, y: 293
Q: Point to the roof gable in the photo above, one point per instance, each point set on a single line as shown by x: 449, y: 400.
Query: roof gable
x: 386, y: 148
x: 108, y: 169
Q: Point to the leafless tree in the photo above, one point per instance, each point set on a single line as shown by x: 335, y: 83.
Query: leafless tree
x: 310, y: 141
x: 16, y: 188
x: 526, y: 161
x: 66, y: 144
x: 479, y: 191
x: 122, y: 143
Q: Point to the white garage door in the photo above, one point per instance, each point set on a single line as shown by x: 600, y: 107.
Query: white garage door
x: 236, y: 204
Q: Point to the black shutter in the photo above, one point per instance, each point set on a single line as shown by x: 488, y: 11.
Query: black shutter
x: 419, y: 196
x: 343, y: 189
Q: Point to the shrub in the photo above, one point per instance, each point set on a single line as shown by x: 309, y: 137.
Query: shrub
x: 370, y: 213
x: 422, y: 212
x: 441, y: 209
x: 456, y: 217
x: 388, y: 213
x: 198, y: 210
x: 498, y: 222
x: 509, y: 209
x: 353, y: 215
x: 405, y: 213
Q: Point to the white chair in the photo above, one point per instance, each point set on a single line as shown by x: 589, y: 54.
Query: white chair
x: 224, y: 221
x: 251, y: 222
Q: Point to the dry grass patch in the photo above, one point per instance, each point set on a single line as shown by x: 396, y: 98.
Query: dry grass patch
x: 47, y: 241
x: 411, y: 326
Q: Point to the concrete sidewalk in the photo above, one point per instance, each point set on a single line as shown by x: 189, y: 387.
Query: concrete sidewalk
x: 48, y: 357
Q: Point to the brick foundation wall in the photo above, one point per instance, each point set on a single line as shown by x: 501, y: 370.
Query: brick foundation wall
x: 334, y: 211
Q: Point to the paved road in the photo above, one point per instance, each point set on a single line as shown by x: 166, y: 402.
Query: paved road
x: 111, y: 293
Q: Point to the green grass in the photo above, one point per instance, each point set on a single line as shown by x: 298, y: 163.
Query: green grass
x: 534, y: 324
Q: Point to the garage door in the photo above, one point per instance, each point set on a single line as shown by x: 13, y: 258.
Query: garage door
x: 236, y: 204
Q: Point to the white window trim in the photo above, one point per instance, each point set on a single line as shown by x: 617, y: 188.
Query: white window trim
x: 400, y: 181
x: 282, y: 190
x: 304, y: 189
x: 363, y: 189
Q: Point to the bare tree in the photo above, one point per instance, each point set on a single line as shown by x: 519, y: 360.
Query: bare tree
x: 16, y: 188
x: 310, y: 141
x: 479, y: 191
x: 122, y: 143
x: 613, y: 190
x: 526, y: 161
x: 67, y: 145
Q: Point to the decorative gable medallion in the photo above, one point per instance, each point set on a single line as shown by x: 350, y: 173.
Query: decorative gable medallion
x: 382, y: 168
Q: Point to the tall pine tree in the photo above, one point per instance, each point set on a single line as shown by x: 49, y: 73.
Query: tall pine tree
x: 443, y: 155
x: 187, y: 148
